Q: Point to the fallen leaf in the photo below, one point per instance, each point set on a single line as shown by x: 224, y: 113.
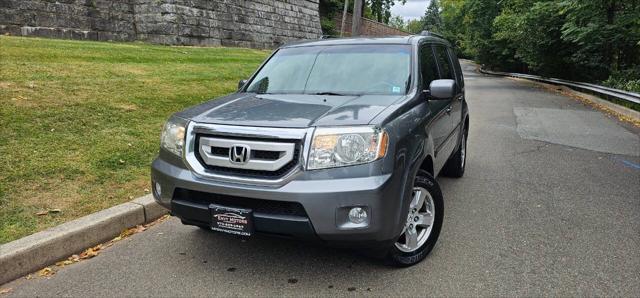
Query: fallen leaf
x: 88, y: 253
x: 146, y: 190
x: 121, y: 161
x: 40, y: 213
x: 46, y: 272
x: 30, y: 276
x: 6, y: 290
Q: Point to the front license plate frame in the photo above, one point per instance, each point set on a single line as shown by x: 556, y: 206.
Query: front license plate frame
x: 236, y: 221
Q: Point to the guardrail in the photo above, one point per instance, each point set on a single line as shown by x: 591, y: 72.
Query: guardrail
x: 602, y: 91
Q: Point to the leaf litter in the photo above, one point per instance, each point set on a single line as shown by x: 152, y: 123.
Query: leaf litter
x: 94, y: 251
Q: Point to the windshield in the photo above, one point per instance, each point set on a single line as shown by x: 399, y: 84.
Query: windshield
x: 336, y: 70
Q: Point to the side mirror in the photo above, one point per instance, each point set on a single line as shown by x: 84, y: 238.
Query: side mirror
x: 442, y: 89
x: 241, y: 84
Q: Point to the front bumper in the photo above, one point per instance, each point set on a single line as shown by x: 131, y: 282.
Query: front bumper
x: 324, y: 202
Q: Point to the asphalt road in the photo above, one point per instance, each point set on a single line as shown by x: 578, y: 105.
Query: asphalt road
x: 549, y: 205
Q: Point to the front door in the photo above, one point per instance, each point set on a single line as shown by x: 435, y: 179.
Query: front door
x: 440, y: 126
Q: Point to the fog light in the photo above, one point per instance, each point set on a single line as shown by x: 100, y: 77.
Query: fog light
x: 357, y: 215
x: 158, y: 189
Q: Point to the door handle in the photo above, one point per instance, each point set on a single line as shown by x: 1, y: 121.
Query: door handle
x: 448, y: 110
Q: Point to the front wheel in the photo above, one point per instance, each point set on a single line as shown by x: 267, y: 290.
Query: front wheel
x: 422, y: 226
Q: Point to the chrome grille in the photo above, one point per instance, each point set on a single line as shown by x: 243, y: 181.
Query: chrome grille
x: 273, y: 154
x: 212, y: 151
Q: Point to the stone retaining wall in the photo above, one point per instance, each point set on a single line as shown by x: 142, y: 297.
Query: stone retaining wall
x: 246, y: 23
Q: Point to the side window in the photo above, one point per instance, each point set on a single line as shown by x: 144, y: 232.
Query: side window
x: 446, y: 69
x: 458, y: 69
x: 428, y: 67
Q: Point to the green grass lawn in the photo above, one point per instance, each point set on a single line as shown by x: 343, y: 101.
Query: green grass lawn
x: 80, y: 121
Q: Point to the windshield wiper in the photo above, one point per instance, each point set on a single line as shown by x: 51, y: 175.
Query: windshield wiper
x: 328, y: 93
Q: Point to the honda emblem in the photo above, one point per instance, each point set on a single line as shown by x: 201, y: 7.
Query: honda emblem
x: 239, y: 154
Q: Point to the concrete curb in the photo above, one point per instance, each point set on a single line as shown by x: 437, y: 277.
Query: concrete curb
x: 34, y: 252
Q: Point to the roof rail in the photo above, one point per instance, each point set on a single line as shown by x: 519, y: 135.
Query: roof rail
x: 429, y: 33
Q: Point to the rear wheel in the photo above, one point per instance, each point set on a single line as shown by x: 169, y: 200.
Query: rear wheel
x: 455, y: 165
x: 423, y: 223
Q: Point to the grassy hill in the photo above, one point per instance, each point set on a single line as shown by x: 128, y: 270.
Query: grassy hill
x: 80, y: 121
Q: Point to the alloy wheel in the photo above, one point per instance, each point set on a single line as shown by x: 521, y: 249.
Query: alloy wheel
x: 419, y: 221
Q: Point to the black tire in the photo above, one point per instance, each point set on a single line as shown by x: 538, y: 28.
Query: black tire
x: 456, y: 164
x: 400, y: 258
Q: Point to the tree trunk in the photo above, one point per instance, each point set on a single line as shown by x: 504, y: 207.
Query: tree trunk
x: 344, y: 17
x: 357, y: 17
x: 610, y: 48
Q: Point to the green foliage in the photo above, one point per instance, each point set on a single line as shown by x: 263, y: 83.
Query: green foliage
x: 397, y: 22
x: 605, y: 34
x: 328, y: 27
x: 381, y: 9
x: 431, y: 20
x: 582, y: 40
x: 414, y: 26
x: 628, y: 79
x: 328, y: 11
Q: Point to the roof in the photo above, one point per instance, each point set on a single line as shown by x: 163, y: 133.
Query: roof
x: 409, y: 39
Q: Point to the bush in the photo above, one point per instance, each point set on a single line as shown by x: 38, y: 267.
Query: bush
x: 628, y: 80
x: 328, y: 27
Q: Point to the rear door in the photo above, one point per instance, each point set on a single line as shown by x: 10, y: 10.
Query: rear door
x: 456, y: 105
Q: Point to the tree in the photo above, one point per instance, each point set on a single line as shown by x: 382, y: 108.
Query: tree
x: 452, y: 15
x: 431, y: 19
x: 531, y: 30
x: 414, y: 26
x: 328, y: 11
x: 605, y: 34
x: 583, y: 40
x: 397, y: 22
x: 381, y: 9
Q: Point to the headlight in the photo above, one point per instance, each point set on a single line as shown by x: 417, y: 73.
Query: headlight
x: 346, y: 146
x: 173, y: 135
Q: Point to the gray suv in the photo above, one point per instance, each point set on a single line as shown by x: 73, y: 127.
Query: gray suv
x: 336, y: 141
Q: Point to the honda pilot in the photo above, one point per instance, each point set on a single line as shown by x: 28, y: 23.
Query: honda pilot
x: 336, y: 141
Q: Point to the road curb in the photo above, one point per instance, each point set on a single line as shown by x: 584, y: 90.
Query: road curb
x: 34, y: 252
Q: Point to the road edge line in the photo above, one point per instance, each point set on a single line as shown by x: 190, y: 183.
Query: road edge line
x: 28, y: 254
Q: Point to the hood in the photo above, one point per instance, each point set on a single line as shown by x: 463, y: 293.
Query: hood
x: 290, y: 110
